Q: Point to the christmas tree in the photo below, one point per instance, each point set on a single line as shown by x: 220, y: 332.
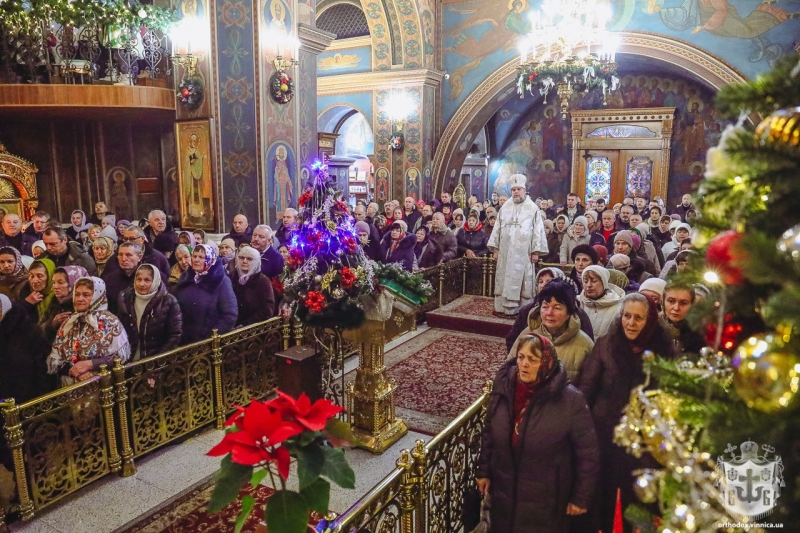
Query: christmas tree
x: 742, y: 387
x: 328, y: 271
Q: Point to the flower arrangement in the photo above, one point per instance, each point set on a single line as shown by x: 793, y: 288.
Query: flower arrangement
x: 260, y: 441
x: 397, y: 142
x: 190, y: 92
x: 581, y: 76
x: 328, y: 272
x: 281, y: 87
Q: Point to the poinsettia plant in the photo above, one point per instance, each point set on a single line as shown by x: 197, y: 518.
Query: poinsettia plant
x: 260, y: 441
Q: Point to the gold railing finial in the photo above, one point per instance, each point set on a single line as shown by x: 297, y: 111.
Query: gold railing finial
x: 487, y: 387
x: 7, y: 402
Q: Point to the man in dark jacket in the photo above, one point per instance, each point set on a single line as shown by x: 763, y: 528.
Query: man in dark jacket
x: 12, y: 235
x: 150, y: 255
x: 682, y: 208
x: 574, y: 207
x: 539, y: 453
x: 271, y: 260
x: 444, y: 238
x: 129, y: 257
x: 624, y: 219
x: 241, y: 233
x: 447, y: 199
x: 64, y: 252
x: 158, y: 224
x: 411, y: 214
x: 38, y: 224
x: 288, y: 225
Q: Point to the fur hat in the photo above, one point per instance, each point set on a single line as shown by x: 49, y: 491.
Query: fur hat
x: 517, y: 180
x: 548, y: 224
x: 624, y: 236
x: 587, y: 250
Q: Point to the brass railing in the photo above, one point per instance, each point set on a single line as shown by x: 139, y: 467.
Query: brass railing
x: 474, y: 276
x: 425, y: 492
x: 67, y: 439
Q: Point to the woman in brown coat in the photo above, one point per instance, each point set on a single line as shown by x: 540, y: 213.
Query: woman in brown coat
x: 254, y: 294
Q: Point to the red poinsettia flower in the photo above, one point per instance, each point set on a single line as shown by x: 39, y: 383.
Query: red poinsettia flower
x: 313, y: 417
x: 314, y: 301
x: 260, y: 429
x: 348, y: 277
x: 533, y: 75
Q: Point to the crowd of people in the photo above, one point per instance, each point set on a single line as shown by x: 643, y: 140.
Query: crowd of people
x: 80, y: 294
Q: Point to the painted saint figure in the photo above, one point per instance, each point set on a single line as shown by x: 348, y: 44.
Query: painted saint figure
x: 283, y: 181
x: 199, y: 185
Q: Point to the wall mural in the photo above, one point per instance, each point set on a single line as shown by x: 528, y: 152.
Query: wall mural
x: 750, y: 35
x: 282, y: 185
x: 344, y: 61
x: 535, y: 142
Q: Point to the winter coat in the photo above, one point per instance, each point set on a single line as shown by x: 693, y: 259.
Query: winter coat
x: 684, y: 338
x: 555, y: 460
x: 572, y: 346
x: 681, y: 210
x: 606, y: 379
x: 429, y: 254
x: 521, y: 323
x: 283, y: 234
x: 271, y: 263
x: 161, y: 327
x: 554, y: 247
x: 255, y: 299
x: 207, y: 305
x: 170, y: 231
x: 602, y: 311
x: 569, y: 243
x: 23, y: 242
x: 75, y: 255
x: 447, y: 242
x: 474, y: 240
x: 412, y: 220
x: 240, y: 238
x: 403, y: 254
x: 11, y: 286
x: 117, y: 281
x: 23, y: 360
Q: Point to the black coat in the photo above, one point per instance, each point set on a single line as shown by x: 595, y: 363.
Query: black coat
x: 255, y: 299
x: 161, y: 326
x: 116, y: 282
x: 207, y: 305
x: 607, y: 376
x: 428, y: 253
x: 554, y: 463
x: 271, y: 263
x: 240, y: 238
x: 23, y: 358
x: 75, y: 255
x: 403, y: 254
x: 472, y: 240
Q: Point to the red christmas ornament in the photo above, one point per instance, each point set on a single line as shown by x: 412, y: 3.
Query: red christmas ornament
x: 732, y: 332
x: 185, y: 93
x: 722, y: 256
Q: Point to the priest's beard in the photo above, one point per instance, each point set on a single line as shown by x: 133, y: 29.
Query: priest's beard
x: 518, y: 200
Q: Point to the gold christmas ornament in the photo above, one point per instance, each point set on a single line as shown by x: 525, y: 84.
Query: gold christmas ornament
x: 766, y: 375
x: 781, y: 126
x: 646, y: 485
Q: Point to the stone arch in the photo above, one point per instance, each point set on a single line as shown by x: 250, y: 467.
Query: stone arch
x: 495, y: 91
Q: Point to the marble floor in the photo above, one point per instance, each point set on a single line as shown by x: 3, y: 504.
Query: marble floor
x: 113, y: 501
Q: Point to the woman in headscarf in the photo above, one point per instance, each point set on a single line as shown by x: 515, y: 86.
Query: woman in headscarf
x: 187, y: 239
x: 92, y: 235
x: 206, y: 297
x: 13, y: 274
x: 227, y: 251
x: 24, y: 361
x: 398, y: 247
x: 427, y: 252
x: 64, y: 279
x: 150, y: 315
x: 553, y: 242
x: 103, y: 250
x: 38, y: 249
x: 183, y: 260
x: 37, y: 295
x: 91, y: 336
x: 471, y: 238
x: 79, y: 226
x: 539, y: 458
x: 458, y: 219
x: 109, y: 220
x: 199, y: 236
x: 254, y: 295
x: 606, y: 379
x: 599, y: 299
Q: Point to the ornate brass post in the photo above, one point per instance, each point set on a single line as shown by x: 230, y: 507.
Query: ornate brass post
x: 420, y: 455
x: 128, y: 467
x: 297, y: 331
x: 464, y: 268
x: 286, y: 332
x: 484, y: 273
x: 15, y: 439
x: 407, y: 490
x: 492, y: 268
x: 371, y: 395
x: 216, y: 376
x: 441, y: 285
x: 107, y: 403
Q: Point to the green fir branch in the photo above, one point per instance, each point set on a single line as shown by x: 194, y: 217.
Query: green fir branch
x: 775, y: 90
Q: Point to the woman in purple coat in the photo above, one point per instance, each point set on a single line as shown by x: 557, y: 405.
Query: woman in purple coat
x: 398, y: 247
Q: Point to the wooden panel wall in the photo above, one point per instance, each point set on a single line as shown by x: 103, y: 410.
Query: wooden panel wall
x: 83, y: 162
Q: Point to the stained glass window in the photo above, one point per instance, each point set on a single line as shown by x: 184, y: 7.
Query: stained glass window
x: 620, y: 131
x: 639, y: 177
x: 598, y: 178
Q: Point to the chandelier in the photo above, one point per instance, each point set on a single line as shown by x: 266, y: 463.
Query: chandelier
x: 568, y: 49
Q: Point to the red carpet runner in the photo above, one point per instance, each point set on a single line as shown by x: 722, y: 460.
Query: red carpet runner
x: 471, y: 314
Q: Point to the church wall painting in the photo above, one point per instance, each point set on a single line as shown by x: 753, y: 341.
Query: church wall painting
x: 539, y: 145
x: 345, y: 61
x: 282, y: 186
x: 195, y: 177
x: 479, y: 35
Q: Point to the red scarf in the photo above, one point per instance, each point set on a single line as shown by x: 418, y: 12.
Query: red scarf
x: 477, y: 228
x: 525, y: 391
x: 396, y: 243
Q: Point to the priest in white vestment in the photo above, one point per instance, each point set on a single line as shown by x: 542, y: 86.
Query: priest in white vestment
x: 517, y: 240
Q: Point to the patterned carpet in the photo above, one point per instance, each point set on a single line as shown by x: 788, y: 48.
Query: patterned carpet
x: 187, y: 513
x: 439, y: 374
x: 468, y: 314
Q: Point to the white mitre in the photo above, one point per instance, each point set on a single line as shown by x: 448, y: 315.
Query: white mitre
x: 517, y: 180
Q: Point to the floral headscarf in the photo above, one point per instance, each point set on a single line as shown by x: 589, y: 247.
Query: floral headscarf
x: 90, y: 334
x: 84, y: 226
x: 255, y: 266
x: 73, y: 273
x: 210, y: 260
x: 43, y: 306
